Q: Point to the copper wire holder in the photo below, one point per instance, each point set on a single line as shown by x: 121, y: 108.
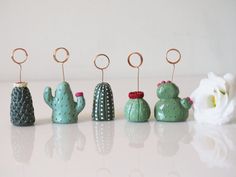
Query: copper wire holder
x: 173, y: 62
x: 61, y: 61
x: 19, y: 62
x: 136, y: 66
x: 101, y: 68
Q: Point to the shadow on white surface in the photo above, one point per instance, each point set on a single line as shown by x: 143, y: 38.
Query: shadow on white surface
x: 64, y: 140
x: 22, y: 143
x: 40, y: 122
x: 170, y: 136
x: 137, y: 133
x: 103, y: 133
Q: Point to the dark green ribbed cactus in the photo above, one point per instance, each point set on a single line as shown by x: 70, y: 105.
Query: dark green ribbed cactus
x: 22, y: 110
x: 103, y: 105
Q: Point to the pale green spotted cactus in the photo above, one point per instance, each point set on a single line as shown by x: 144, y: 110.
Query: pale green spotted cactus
x: 64, y: 109
x: 136, y: 108
x: 171, y: 108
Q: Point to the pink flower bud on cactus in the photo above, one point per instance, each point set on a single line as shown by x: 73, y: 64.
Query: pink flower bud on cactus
x: 79, y: 94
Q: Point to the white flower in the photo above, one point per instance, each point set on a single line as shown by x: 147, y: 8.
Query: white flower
x: 215, y: 99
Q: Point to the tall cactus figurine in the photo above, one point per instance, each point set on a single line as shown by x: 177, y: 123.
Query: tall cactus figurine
x: 22, y: 110
x: 64, y: 109
x: 103, y: 105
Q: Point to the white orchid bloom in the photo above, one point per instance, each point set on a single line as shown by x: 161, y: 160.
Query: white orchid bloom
x: 215, y: 99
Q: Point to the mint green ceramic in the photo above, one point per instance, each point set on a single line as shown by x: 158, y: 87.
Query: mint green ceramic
x: 170, y: 108
x: 64, y: 109
x: 137, y: 109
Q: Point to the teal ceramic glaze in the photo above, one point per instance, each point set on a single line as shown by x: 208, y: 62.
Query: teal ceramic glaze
x: 103, y: 104
x: 170, y: 108
x: 64, y: 109
x: 137, y: 109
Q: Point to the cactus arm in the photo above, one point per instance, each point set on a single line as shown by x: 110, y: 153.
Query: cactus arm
x: 48, y: 98
x: 80, y: 104
x: 186, y: 103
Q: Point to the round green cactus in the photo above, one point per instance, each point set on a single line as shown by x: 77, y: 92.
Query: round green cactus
x: 103, y: 104
x: 170, y: 108
x: 137, y: 109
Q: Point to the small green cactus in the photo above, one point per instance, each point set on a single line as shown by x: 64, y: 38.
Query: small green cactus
x: 103, y: 104
x: 137, y: 109
x: 64, y: 109
x: 170, y: 107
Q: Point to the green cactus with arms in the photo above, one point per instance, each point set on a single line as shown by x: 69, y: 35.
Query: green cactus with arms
x: 64, y: 109
x: 171, y: 108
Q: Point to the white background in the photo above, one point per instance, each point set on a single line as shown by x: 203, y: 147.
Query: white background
x: 203, y: 30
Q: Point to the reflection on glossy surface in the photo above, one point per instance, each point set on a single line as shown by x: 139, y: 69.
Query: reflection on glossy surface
x: 173, y: 174
x: 137, y: 133
x: 170, y: 135
x: 103, y: 172
x: 136, y: 173
x: 103, y: 133
x: 64, y: 140
x: 103, y: 136
x: 22, y: 143
x: 215, y: 145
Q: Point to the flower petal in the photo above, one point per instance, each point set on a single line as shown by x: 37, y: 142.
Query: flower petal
x: 215, y: 99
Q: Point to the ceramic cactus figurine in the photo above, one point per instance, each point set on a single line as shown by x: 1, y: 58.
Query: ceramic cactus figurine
x: 137, y: 109
x: 64, y: 109
x: 170, y: 108
x: 22, y: 110
x: 103, y: 104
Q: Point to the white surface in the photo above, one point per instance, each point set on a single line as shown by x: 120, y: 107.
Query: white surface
x: 117, y: 148
x: 203, y: 30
